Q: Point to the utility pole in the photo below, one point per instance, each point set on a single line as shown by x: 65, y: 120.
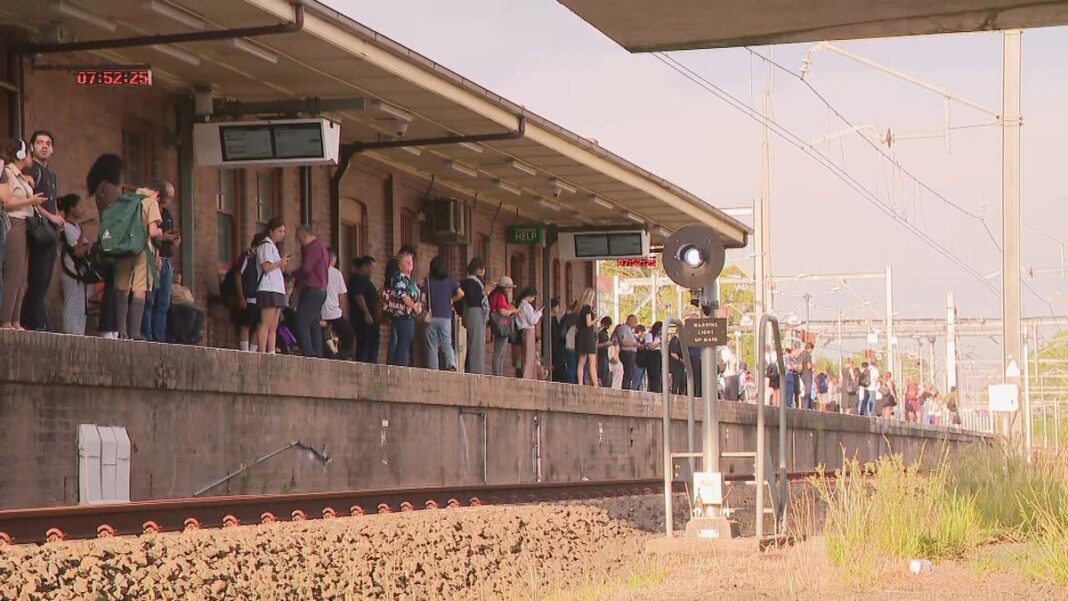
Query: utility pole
x: 890, y: 322
x: 762, y: 221
x: 808, y: 313
x: 951, y: 344
x: 1010, y: 200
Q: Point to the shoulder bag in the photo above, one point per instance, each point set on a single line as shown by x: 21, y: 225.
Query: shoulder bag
x: 428, y: 315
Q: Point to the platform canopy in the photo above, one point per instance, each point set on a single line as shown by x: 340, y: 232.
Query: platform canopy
x: 652, y: 25
x: 334, y: 57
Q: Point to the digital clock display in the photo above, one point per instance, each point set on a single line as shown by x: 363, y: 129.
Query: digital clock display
x: 113, y: 77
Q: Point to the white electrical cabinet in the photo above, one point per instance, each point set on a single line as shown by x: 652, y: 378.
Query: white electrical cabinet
x: 103, y: 464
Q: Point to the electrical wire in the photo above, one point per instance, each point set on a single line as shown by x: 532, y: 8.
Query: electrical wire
x: 837, y: 171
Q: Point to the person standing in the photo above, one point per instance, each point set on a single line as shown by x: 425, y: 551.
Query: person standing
x: 952, y: 406
x: 42, y: 254
x: 500, y: 302
x: 791, y: 375
x: 627, y: 342
x: 850, y: 397
x: 363, y: 300
x: 874, y: 383
x: 654, y: 367
x: 604, y: 341
x: 245, y: 311
x: 104, y: 182
x: 136, y: 276
x: 442, y: 292
x: 586, y: 340
x: 641, y: 358
x: 75, y: 248
x: 475, y: 315
x: 20, y: 206
x: 335, y: 308
x: 677, y: 366
x: 271, y: 290
x: 407, y: 294
x: 158, y: 302
x: 804, y: 361
x: 527, y: 322
x: 311, y: 280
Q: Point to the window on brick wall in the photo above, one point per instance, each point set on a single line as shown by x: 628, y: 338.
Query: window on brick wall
x: 569, y: 284
x: 268, y: 196
x: 137, y: 153
x: 226, y: 205
x: 482, y: 247
x: 517, y: 270
x: 407, y: 227
x: 352, y: 243
x: 556, y: 281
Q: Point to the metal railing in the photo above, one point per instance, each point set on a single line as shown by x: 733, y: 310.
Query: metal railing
x: 779, y: 489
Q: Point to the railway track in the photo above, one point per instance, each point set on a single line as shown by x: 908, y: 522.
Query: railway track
x: 73, y: 522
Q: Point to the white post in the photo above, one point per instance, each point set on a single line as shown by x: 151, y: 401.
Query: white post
x: 656, y: 291
x: 762, y: 222
x: 1027, y: 401
x: 889, y: 367
x: 615, y: 299
x: 1010, y: 199
x: 951, y: 343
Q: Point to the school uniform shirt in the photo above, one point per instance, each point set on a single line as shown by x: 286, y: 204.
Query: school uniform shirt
x: 335, y: 287
x: 272, y: 281
x: 528, y: 318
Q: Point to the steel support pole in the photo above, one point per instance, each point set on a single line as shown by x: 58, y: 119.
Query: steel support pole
x: 615, y: 300
x: 951, y: 344
x: 1027, y: 401
x: 1010, y: 199
x: 709, y: 393
x: 762, y: 221
x: 187, y: 191
x: 890, y: 323
x: 666, y: 401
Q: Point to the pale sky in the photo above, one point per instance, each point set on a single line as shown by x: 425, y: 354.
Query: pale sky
x: 539, y: 54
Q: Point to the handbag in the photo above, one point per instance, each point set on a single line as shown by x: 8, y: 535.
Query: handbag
x: 428, y: 316
x: 40, y: 231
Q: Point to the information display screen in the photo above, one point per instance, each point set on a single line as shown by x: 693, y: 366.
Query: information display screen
x: 113, y: 77
x: 297, y: 141
x: 624, y: 244
x: 591, y: 245
x: 246, y: 143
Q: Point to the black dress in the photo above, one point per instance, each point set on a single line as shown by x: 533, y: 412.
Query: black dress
x: 585, y: 336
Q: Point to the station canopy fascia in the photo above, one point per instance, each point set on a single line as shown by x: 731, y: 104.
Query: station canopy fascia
x: 659, y: 25
x: 333, y: 56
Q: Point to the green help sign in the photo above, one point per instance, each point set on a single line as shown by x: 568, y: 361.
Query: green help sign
x: 526, y: 234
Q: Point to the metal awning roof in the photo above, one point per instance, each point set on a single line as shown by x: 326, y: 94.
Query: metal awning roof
x: 335, y: 57
x: 650, y: 25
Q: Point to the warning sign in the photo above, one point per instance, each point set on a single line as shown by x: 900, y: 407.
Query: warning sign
x: 706, y: 331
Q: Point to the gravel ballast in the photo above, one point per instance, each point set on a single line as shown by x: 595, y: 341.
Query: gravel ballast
x: 469, y: 553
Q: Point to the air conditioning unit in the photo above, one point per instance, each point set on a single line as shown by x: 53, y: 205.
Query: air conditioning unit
x: 445, y: 221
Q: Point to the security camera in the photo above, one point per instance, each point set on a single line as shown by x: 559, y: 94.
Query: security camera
x: 398, y: 127
x: 554, y: 188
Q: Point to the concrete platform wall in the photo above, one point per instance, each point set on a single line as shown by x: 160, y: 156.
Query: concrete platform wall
x: 194, y: 415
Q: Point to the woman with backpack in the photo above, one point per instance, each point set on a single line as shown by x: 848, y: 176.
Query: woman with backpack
x: 19, y: 207
x: 104, y: 182
x: 241, y: 284
x: 72, y: 277
x: 502, y: 317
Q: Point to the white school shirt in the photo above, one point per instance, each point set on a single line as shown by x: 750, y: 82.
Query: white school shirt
x: 528, y: 318
x: 335, y: 287
x: 272, y: 281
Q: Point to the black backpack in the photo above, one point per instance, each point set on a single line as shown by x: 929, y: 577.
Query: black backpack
x: 865, y: 378
x: 249, y: 279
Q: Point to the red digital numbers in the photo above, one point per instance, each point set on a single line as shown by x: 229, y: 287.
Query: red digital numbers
x: 637, y: 262
x: 113, y: 77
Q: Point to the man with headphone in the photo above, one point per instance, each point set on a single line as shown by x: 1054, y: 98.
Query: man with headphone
x: 42, y: 257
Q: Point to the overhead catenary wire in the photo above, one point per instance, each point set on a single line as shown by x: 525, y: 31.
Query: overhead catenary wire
x: 819, y: 157
x: 917, y: 181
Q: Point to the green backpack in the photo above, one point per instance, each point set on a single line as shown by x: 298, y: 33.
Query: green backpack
x: 122, y: 232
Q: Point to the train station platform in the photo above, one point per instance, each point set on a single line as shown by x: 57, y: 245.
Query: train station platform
x: 194, y: 415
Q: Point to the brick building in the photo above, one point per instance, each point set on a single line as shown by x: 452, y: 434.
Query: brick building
x: 322, y: 55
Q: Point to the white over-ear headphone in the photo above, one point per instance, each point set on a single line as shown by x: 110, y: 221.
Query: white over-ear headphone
x: 21, y: 154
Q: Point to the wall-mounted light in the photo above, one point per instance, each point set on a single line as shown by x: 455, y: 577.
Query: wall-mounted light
x: 475, y: 148
x: 389, y: 109
x: 558, y: 187
x: 552, y: 206
x: 172, y: 12
x: 633, y: 217
x: 523, y: 167
x: 511, y: 189
x: 177, y: 54
x: 79, y: 13
x: 254, y: 50
x: 604, y: 204
x: 461, y: 168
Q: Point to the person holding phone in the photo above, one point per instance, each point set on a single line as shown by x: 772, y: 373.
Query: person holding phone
x: 527, y: 323
x: 19, y: 206
x: 271, y: 291
x: 158, y: 302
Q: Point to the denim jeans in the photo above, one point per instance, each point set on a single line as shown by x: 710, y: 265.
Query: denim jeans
x: 400, y: 341
x: 367, y: 338
x: 866, y: 401
x: 157, y: 304
x: 809, y: 393
x: 639, y: 378
x: 571, y: 365
x: 309, y: 311
x: 439, y: 337
x: 789, y: 388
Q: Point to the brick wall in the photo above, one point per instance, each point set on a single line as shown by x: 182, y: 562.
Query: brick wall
x: 196, y: 414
